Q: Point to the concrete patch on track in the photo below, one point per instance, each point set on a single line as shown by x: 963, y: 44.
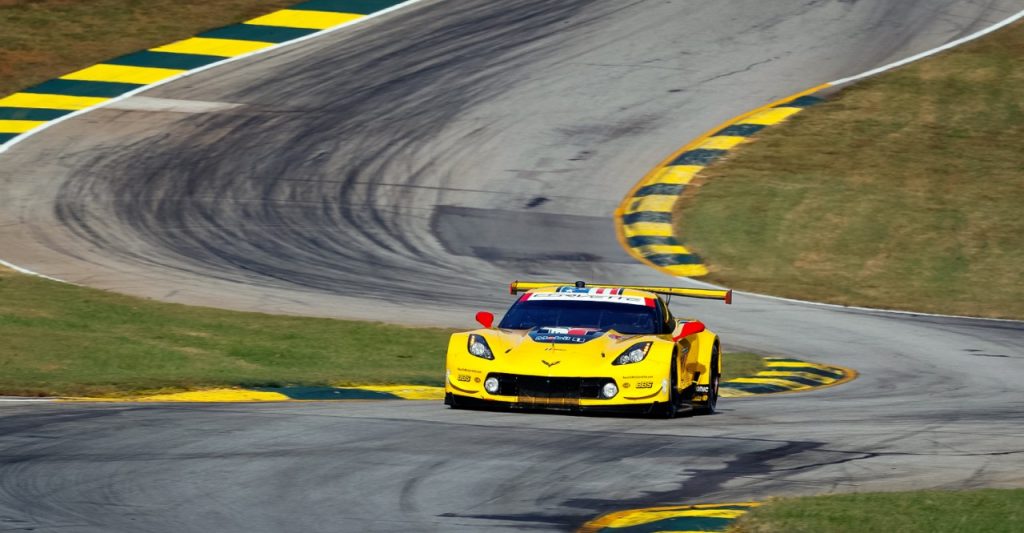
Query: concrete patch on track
x: 780, y: 375
x: 54, y: 100
x: 707, y: 517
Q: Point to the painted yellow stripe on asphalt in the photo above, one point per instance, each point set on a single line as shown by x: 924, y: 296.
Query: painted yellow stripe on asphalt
x: 654, y: 202
x: 769, y: 381
x: 636, y: 518
x: 770, y: 117
x: 721, y: 142
x: 212, y: 395
x: 310, y: 20
x: 623, y: 518
x: 653, y: 249
x: 675, y: 175
x: 212, y: 47
x: 19, y: 126
x: 650, y: 229
x: 686, y: 270
x: 408, y: 392
x: 786, y: 364
x: 123, y: 74
x: 50, y: 101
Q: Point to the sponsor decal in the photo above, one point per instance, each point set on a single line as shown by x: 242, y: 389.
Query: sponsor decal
x: 556, y: 335
x: 465, y: 377
x: 590, y: 297
x: 549, y: 364
x: 702, y: 389
x: 645, y: 384
x: 584, y: 290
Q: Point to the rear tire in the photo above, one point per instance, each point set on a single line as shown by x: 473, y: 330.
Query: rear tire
x: 708, y: 407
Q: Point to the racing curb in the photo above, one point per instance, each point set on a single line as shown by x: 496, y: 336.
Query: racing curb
x: 781, y: 375
x: 705, y: 517
x: 35, y: 108
x: 643, y: 220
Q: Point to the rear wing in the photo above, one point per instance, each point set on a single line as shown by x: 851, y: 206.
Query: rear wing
x: 707, y: 294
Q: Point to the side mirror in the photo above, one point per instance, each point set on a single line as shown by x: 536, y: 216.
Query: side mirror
x: 487, y: 319
x: 688, y: 329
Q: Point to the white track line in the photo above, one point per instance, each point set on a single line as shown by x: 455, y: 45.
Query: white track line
x: 873, y: 72
x: 933, y: 51
x: 17, y: 268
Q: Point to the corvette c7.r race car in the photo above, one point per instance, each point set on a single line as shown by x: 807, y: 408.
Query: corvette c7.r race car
x: 584, y: 347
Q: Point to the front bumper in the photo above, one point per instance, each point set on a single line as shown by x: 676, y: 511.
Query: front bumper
x: 556, y: 393
x: 457, y: 400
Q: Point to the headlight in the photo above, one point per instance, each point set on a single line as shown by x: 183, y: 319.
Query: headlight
x: 478, y: 347
x: 634, y: 354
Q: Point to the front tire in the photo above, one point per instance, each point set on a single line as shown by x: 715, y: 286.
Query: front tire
x: 708, y: 407
x: 451, y: 401
x: 671, y: 409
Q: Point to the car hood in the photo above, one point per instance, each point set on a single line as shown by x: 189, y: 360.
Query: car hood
x: 547, y: 345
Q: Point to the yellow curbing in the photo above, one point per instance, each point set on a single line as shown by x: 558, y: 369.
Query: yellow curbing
x: 785, y: 376
x: 36, y: 108
x: 211, y: 396
x: 673, y: 258
x: 772, y: 380
x: 310, y: 20
x: 670, y: 518
x: 409, y: 392
x: 210, y: 46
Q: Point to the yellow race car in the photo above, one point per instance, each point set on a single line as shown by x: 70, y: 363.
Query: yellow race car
x: 573, y: 346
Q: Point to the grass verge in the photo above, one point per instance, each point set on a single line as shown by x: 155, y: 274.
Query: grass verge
x: 904, y: 191
x: 64, y: 340
x: 44, y: 39
x: 738, y: 365
x: 61, y: 339
x: 978, y: 511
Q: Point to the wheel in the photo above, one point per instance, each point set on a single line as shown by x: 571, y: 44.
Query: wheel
x: 708, y: 407
x: 671, y: 409
x: 451, y: 402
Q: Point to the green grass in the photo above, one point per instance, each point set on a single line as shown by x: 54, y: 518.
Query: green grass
x: 65, y: 340
x: 978, y: 511
x: 738, y: 365
x: 44, y: 39
x: 904, y: 191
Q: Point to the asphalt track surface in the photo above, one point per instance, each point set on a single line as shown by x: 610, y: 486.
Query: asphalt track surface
x: 459, y: 145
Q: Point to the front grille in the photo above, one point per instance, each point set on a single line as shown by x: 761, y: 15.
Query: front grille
x: 540, y: 389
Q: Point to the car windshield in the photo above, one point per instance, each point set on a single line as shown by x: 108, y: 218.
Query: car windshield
x: 624, y: 318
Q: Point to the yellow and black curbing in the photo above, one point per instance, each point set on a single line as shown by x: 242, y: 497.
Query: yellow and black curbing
x: 786, y: 375
x: 31, y: 108
x: 779, y: 375
x: 683, y: 518
x: 643, y: 220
